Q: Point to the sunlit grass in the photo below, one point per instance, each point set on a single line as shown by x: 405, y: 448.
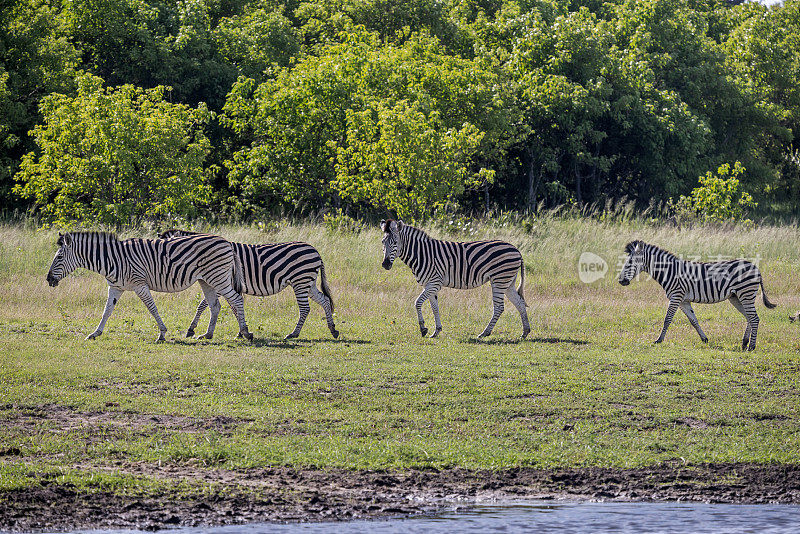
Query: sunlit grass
x: 588, y: 388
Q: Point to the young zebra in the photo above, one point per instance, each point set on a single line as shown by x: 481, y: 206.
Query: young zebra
x: 144, y: 265
x: 688, y: 281
x: 267, y: 269
x: 438, y: 264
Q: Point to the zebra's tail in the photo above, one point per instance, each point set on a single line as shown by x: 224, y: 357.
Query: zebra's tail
x: 326, y: 290
x: 522, y: 281
x: 767, y: 303
x: 238, y: 272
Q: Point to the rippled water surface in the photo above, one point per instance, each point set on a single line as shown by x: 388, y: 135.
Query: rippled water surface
x: 564, y: 518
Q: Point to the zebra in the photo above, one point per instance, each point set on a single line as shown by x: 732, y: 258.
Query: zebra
x: 438, y: 264
x: 688, y: 281
x: 144, y: 265
x: 268, y: 268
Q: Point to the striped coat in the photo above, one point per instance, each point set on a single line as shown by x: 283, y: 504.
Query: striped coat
x: 145, y: 265
x: 688, y: 281
x: 270, y: 268
x: 438, y: 264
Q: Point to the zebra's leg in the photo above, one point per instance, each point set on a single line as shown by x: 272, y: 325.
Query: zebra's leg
x: 519, y: 303
x: 301, y: 294
x: 430, y: 288
x: 236, y: 302
x: 113, y: 297
x: 671, y: 309
x: 322, y: 300
x: 200, y: 309
x: 212, y: 301
x: 687, y: 309
x: 147, y: 298
x: 434, y: 300
x: 738, y: 305
x: 497, y: 302
x: 749, y: 305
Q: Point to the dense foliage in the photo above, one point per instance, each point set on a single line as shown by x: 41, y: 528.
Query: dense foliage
x: 399, y: 106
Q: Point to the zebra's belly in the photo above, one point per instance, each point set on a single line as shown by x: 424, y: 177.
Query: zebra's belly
x: 463, y: 284
x: 709, y: 298
x: 168, y: 286
x: 262, y: 290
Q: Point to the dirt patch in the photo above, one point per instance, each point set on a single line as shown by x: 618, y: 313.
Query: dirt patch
x: 61, y: 419
x: 287, y: 494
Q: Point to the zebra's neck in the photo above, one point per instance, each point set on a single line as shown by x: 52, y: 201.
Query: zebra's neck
x: 94, y: 251
x: 660, y: 264
x: 409, y: 243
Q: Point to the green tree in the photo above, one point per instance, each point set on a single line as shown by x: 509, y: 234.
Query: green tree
x: 116, y: 155
x: 308, y: 129
x: 718, y: 197
x: 35, y: 60
x: 400, y: 159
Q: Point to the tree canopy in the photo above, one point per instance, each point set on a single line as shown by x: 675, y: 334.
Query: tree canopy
x: 241, y: 108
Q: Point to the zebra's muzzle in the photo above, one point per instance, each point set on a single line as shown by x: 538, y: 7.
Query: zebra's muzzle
x: 387, y: 264
x: 624, y: 282
x: 52, y: 281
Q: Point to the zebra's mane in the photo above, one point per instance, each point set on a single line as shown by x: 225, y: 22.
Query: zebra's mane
x: 649, y: 247
x: 176, y: 232
x: 102, y: 237
x: 406, y: 228
x: 414, y: 231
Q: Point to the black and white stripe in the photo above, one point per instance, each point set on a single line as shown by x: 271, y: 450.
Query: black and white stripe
x: 144, y: 265
x: 688, y: 281
x: 269, y: 268
x: 438, y: 264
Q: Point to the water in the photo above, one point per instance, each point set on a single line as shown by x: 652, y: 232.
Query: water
x: 561, y: 518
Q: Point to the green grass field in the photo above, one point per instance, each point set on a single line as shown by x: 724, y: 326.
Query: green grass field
x: 588, y: 388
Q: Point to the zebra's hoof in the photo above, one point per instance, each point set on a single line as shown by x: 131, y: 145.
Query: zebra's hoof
x: 335, y: 334
x: 657, y: 341
x: 190, y: 333
x: 160, y: 339
x: 525, y: 333
x: 291, y: 336
x: 423, y: 331
x: 247, y: 335
x: 93, y: 335
x: 792, y: 318
x: 436, y: 332
x: 205, y: 336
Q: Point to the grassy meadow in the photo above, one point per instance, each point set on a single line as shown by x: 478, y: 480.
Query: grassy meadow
x: 587, y: 388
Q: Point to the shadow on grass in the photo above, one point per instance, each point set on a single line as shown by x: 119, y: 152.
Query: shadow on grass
x: 516, y: 341
x: 299, y: 342
x: 274, y: 342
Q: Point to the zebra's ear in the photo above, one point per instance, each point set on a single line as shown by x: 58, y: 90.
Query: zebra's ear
x: 66, y: 240
x: 399, y: 223
x: 383, y: 224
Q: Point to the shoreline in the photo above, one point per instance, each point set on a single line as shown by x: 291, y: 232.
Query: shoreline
x: 283, y: 494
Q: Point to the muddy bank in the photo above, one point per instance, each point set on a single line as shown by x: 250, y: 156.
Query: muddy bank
x: 285, y: 494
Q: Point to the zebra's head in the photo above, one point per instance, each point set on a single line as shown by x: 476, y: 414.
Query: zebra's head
x: 391, y: 237
x: 634, y: 263
x: 64, y: 262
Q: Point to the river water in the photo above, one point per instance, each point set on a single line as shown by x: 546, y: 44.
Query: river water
x: 556, y: 517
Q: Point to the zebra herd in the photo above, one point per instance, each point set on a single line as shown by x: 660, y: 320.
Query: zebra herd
x: 177, y: 259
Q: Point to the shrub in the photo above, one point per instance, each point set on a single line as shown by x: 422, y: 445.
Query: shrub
x: 718, y: 197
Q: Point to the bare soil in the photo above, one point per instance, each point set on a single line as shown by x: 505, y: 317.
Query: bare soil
x: 286, y: 494
x: 220, y: 496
